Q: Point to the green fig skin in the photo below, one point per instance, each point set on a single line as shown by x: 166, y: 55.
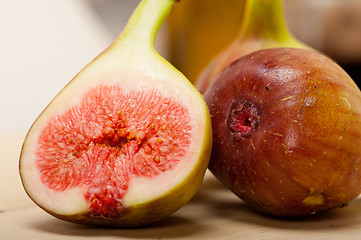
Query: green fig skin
x: 297, y: 150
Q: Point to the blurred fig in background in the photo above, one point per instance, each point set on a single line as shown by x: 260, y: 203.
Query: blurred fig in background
x: 263, y: 26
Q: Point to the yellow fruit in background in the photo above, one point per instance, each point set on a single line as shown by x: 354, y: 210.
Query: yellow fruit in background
x: 200, y: 29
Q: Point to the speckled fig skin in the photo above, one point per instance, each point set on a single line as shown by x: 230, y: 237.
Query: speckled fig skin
x: 303, y: 154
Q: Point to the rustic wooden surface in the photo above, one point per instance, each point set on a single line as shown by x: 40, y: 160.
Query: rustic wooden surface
x: 214, y: 213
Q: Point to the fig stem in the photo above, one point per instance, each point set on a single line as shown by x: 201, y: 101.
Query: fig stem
x: 264, y: 19
x: 144, y: 24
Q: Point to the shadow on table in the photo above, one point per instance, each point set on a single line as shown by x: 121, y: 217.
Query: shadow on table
x: 222, y: 203
x: 213, y: 208
x: 171, y: 227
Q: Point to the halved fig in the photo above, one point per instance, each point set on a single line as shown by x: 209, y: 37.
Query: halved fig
x: 126, y: 142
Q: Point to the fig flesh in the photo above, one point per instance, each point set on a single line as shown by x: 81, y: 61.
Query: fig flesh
x: 287, y: 132
x: 126, y: 142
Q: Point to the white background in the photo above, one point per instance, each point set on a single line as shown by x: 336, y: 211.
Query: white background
x: 43, y: 45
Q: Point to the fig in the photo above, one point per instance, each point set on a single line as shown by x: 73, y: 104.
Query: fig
x: 126, y: 142
x: 287, y: 132
x: 263, y: 26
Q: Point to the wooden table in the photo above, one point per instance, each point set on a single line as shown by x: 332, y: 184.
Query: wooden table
x: 214, y: 213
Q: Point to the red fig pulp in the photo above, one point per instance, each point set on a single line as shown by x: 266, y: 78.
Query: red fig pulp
x: 287, y: 132
x: 102, y: 143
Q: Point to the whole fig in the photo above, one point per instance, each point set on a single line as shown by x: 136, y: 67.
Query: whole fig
x: 287, y: 131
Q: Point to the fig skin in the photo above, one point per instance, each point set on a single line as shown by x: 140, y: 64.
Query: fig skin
x: 146, y: 213
x: 302, y: 153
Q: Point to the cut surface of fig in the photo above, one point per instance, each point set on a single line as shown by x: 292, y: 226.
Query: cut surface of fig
x: 103, y: 143
x: 126, y: 142
x: 287, y: 132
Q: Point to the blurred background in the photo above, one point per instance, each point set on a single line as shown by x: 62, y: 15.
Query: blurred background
x: 44, y: 43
